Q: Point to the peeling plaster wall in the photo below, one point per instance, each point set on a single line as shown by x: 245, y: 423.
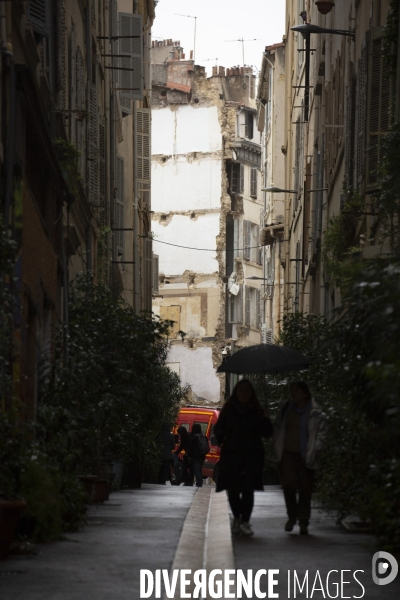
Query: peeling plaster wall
x: 171, y: 129
x: 183, y: 230
x: 183, y: 185
x: 196, y: 368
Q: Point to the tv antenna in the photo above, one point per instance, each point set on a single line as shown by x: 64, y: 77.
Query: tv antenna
x: 195, y: 21
x: 208, y: 59
x: 242, y: 42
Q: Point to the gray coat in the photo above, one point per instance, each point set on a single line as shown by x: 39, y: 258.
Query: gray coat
x: 316, y: 433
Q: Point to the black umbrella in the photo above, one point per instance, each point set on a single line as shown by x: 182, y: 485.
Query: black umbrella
x: 264, y: 358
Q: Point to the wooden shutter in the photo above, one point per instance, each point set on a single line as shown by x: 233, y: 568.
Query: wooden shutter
x: 247, y: 305
x: 349, y: 130
x: 119, y: 206
x: 258, y: 308
x: 39, y: 15
x: 143, y: 145
x: 253, y: 183
x: 362, y: 109
x: 100, y: 17
x: 155, y: 273
x: 131, y: 63
x: 81, y: 105
x: 236, y: 238
x: 61, y: 56
x: 258, y: 250
x: 246, y: 239
x: 241, y: 189
x: 73, y: 84
x: 102, y: 173
x: 93, y: 134
x: 239, y: 306
x: 380, y: 95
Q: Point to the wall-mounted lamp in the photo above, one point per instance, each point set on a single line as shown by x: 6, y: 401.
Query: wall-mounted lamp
x: 324, y: 6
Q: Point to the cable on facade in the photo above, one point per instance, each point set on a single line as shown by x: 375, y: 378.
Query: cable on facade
x: 200, y: 249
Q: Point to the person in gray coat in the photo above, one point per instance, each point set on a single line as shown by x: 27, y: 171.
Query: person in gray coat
x: 166, y: 445
x: 299, y: 432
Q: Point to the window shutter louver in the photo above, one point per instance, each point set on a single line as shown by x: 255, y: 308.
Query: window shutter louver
x: 73, y: 85
x: 239, y: 306
x: 155, y: 273
x: 131, y: 63
x: 143, y: 145
x: 100, y: 17
x: 80, y: 105
x: 253, y: 183
x: 297, y: 163
x: 247, y: 305
x: 93, y: 145
x: 380, y: 97
x: 258, y: 308
x: 119, y: 206
x: 236, y: 238
x: 246, y: 239
x: 349, y: 131
x: 38, y: 13
x: 362, y: 109
x: 102, y: 174
x: 62, y: 57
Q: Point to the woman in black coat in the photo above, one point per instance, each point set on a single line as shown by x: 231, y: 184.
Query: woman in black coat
x: 240, y: 426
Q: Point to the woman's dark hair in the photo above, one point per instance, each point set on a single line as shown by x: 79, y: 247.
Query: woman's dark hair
x: 233, y: 397
x: 302, y: 385
x: 196, y: 428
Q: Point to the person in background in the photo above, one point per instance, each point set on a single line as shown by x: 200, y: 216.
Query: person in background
x: 240, y: 428
x: 166, y: 444
x: 197, y: 451
x: 183, y: 447
x: 299, y: 432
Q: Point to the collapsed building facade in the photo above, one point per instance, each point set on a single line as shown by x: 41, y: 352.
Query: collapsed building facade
x: 207, y: 211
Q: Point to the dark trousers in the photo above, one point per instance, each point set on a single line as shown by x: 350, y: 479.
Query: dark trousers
x: 196, y: 468
x: 164, y: 472
x: 241, y: 504
x: 297, y: 483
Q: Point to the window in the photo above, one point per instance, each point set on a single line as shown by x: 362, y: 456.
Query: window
x: 382, y: 92
x: 119, y: 207
x: 131, y: 61
x: 252, y: 307
x: 251, y: 242
x: 237, y: 178
x: 249, y: 125
x: 235, y: 307
x: 253, y: 183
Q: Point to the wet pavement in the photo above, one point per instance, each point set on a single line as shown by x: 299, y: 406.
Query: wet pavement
x: 168, y: 527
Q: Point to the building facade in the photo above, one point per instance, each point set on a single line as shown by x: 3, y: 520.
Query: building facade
x: 75, y: 177
x: 341, y: 98
x: 206, y: 198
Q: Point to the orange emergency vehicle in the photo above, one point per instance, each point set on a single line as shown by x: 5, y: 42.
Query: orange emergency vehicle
x: 206, y: 417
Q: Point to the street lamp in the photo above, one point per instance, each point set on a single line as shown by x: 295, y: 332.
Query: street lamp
x: 277, y: 190
x: 308, y: 28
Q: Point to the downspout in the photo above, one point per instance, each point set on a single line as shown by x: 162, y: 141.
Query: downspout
x: 136, y: 281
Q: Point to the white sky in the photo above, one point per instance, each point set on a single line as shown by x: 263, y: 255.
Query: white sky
x: 220, y: 20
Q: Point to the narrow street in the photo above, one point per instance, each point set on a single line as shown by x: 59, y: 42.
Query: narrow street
x: 176, y: 528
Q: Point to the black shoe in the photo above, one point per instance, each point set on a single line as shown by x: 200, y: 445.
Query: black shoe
x: 290, y: 524
x: 303, y: 529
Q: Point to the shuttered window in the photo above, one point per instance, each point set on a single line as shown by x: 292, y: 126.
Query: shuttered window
x: 155, y: 273
x: 246, y: 240
x: 247, y: 305
x: 93, y: 134
x: 80, y: 119
x: 39, y: 15
x: 143, y: 145
x: 235, y: 309
x: 119, y: 206
x: 253, y: 183
x: 258, y: 308
x: 102, y: 173
x: 381, y: 96
x: 362, y: 109
x: 349, y: 130
x: 131, y: 63
x: 73, y: 84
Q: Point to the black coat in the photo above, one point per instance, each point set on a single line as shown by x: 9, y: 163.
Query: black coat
x: 166, y: 444
x: 239, y: 430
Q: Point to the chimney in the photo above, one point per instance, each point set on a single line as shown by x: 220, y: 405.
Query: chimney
x: 221, y: 71
x: 191, y: 55
x: 214, y: 71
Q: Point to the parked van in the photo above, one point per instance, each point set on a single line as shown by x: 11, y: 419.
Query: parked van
x: 206, y: 417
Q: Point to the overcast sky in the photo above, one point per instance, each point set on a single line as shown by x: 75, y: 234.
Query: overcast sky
x: 220, y: 20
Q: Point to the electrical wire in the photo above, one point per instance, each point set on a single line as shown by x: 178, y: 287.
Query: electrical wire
x: 200, y: 249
